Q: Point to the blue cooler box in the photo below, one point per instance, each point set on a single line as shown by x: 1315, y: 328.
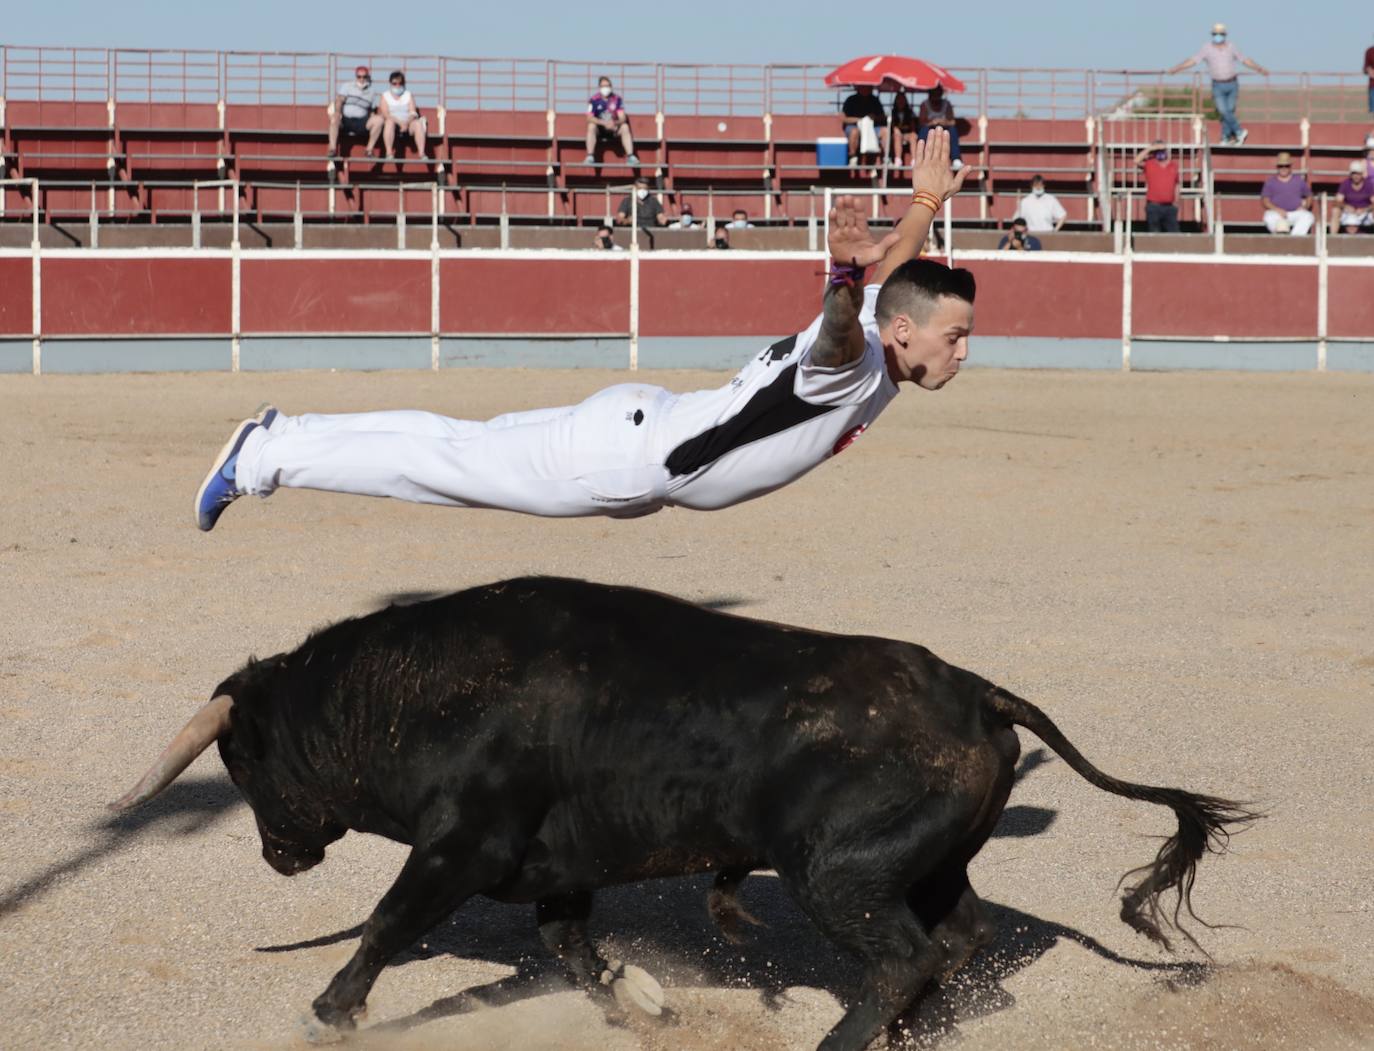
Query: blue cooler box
x: 832, y: 153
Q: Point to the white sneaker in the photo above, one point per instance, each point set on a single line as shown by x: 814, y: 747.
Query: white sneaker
x: 955, y: 164
x: 1240, y: 139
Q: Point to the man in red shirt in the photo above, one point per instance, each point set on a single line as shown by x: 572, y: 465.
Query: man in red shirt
x: 1161, y: 187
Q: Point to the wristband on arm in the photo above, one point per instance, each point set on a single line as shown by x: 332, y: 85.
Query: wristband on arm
x: 846, y: 275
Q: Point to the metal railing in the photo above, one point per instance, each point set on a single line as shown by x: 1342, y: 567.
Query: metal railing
x: 505, y: 84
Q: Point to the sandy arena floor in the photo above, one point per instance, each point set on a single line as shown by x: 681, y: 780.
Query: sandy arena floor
x: 1179, y: 568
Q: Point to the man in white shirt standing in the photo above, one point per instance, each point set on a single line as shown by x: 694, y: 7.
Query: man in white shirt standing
x: 1042, y: 211
x: 632, y: 449
x: 1223, y: 60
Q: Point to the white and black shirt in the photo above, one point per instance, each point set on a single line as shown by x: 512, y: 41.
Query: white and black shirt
x: 778, y: 418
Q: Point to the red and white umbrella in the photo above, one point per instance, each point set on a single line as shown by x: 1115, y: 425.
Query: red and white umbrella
x: 890, y: 72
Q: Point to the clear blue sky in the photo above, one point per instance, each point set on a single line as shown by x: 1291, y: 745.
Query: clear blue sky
x: 1147, y: 34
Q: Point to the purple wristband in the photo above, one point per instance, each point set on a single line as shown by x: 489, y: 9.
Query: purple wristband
x: 846, y: 275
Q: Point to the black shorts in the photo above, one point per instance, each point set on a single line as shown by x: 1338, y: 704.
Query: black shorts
x: 353, y: 126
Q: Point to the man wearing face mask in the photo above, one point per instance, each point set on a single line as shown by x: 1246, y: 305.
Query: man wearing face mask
x: 355, y: 113
x: 1042, y: 211
x: 1223, y: 60
x: 648, y: 206
x: 633, y: 449
x: 1161, y: 187
x: 607, y: 122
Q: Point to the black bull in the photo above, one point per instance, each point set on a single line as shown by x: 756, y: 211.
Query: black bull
x: 536, y: 739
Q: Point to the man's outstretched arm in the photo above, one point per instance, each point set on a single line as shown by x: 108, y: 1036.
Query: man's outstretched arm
x: 929, y: 174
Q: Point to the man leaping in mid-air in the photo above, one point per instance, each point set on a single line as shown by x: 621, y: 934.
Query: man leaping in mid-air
x: 632, y: 449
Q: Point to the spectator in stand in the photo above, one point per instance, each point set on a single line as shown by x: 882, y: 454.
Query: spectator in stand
x: 608, y: 123
x: 1222, y: 59
x: 1353, y: 200
x: 650, y: 208
x: 355, y: 112
x: 1287, y: 200
x: 1369, y: 156
x: 938, y: 112
x: 739, y: 220
x: 722, y: 238
x: 686, y: 220
x: 1161, y: 187
x: 902, y: 129
x: 1369, y: 72
x: 861, y: 105
x: 605, y: 240
x: 1042, y: 211
x: 1019, y: 239
x: 400, y: 114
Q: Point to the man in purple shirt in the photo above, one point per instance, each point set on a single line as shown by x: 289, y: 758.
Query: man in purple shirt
x: 607, y: 122
x: 1223, y: 58
x: 1355, y: 212
x: 1287, y: 200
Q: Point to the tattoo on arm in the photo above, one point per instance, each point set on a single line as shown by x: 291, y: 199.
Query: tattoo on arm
x: 841, y: 339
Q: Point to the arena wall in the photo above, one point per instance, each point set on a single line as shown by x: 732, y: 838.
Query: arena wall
x: 170, y: 309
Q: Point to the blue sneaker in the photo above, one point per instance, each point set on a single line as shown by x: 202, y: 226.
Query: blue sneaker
x: 219, y: 489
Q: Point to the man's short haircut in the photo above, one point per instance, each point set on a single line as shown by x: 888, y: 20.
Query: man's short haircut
x: 1020, y: 220
x: 738, y: 211
x: 1037, y: 178
x: 396, y: 74
x: 917, y: 286
x: 603, y: 229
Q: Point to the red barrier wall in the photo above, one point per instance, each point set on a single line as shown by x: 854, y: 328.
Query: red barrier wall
x: 335, y: 295
x: 1062, y: 300
x: 1350, y: 301
x: 1198, y: 299
x: 16, y: 297
x: 736, y: 297
x: 122, y: 296
x: 534, y: 296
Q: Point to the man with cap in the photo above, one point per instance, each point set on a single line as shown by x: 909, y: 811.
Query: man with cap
x: 355, y: 112
x: 1161, y: 187
x: 1354, y: 202
x: 1223, y: 59
x: 1287, y: 200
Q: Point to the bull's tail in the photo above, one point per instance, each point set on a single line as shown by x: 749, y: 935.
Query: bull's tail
x: 1205, y: 824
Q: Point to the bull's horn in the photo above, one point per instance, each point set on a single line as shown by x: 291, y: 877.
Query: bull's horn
x: 196, y: 736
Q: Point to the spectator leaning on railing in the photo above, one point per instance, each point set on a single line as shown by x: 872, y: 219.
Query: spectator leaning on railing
x: 1222, y: 58
x: 355, y: 112
x: 1353, y: 202
x: 649, y: 208
x: 739, y: 220
x: 1161, y: 187
x: 605, y: 240
x: 1042, y: 211
x: 1287, y: 200
x: 607, y: 122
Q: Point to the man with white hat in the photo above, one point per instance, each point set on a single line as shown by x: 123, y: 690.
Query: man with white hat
x: 1287, y: 200
x: 1354, y: 202
x: 1223, y: 59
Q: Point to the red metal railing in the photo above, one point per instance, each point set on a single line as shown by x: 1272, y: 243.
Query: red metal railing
x: 308, y: 78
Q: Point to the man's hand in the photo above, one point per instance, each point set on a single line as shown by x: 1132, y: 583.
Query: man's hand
x: 849, y: 239
x: 930, y: 166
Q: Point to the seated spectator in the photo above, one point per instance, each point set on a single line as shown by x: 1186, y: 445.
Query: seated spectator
x: 355, y: 113
x: 686, y: 220
x: 605, y: 240
x: 860, y: 106
x: 722, y: 238
x: 1369, y: 156
x: 1287, y: 200
x: 902, y: 129
x: 739, y: 220
x: 400, y: 114
x: 1020, y: 239
x: 937, y: 112
x: 1161, y: 187
x: 1369, y: 72
x: 650, y: 208
x: 607, y: 123
x: 1042, y: 211
x: 1353, y: 201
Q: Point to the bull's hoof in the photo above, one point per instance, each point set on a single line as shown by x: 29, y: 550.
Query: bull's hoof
x: 318, y: 1033
x: 634, y: 988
